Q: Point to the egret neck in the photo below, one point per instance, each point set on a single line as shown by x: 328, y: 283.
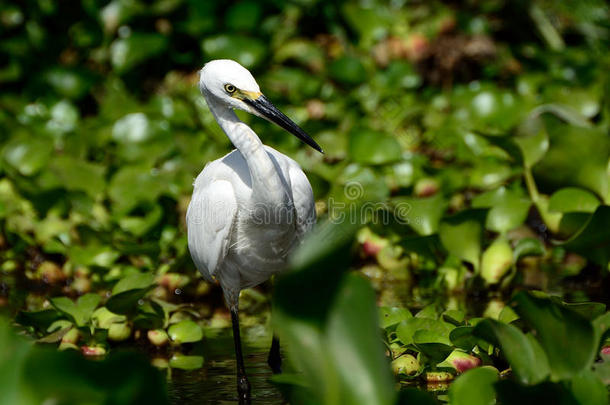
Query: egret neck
x: 263, y: 171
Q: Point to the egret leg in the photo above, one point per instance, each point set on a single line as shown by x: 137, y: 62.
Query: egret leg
x: 274, y: 359
x: 243, y: 386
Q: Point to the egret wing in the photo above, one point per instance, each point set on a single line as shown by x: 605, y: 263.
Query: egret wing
x: 304, y: 202
x: 209, y: 219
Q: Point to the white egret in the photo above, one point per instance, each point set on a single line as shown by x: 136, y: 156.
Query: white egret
x: 250, y: 207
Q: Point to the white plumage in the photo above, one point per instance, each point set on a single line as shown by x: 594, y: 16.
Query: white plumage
x: 252, y: 206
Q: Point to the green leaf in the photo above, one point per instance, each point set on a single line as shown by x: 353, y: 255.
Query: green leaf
x: 248, y: 51
x: 533, y: 142
x: 507, y: 315
x: 474, y: 387
x: 593, y: 240
x: 588, y: 388
x: 462, y: 337
x: 528, y: 247
x: 126, y: 53
x: 454, y: 316
x: 589, y: 310
x: 371, y: 147
x: 339, y: 353
x: 93, y: 255
x: 40, y: 320
x: 572, y: 199
x: 435, y: 344
x: 184, y: 362
x: 77, y: 175
x: 421, y: 214
x: 243, y: 16
x: 347, y: 70
x: 28, y: 155
x: 461, y: 236
x: 134, y: 281
x: 523, y: 353
x: 577, y: 157
x: 185, y: 332
x: 390, y: 316
x: 125, y: 303
x: 407, y: 329
x: 568, y: 339
x: 507, y: 209
x: 80, y: 311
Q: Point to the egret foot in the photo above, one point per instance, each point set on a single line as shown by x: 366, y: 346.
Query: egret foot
x: 243, y: 390
x: 275, y: 359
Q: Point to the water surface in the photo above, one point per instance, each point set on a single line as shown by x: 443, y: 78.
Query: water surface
x: 215, y: 382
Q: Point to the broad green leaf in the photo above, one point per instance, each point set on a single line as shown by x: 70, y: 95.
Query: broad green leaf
x: 244, y: 15
x: 572, y: 199
x: 330, y: 322
x: 524, y: 354
x: 78, y: 175
x: 507, y: 209
x: 507, y: 315
x: 407, y: 329
x: 81, y: 310
x: 454, y: 316
x: 371, y: 23
x: 590, y: 310
x: 357, y: 353
x: 390, y: 316
x: 593, y: 240
x: 248, y: 51
x: 567, y: 338
x: 588, y: 388
x: 474, y: 387
x: 421, y: 214
x: 533, y: 141
x: 126, y: 53
x: 126, y: 302
x: 185, y: 362
x: 435, y: 344
x: 28, y: 155
x: 371, y: 147
x: 185, y: 332
x: 40, y: 320
x: 347, y: 70
x: 461, y: 236
x: 93, y: 255
x: 462, y: 337
x: 577, y: 157
x: 134, y: 281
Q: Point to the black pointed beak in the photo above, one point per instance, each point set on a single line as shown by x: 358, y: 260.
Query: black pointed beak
x: 265, y: 109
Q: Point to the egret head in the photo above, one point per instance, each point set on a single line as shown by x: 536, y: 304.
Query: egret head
x: 233, y: 85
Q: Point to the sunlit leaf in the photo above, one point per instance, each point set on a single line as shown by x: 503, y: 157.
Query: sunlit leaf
x: 185, y: 332
x: 572, y: 199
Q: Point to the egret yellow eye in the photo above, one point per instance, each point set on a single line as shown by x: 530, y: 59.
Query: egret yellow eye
x: 230, y: 88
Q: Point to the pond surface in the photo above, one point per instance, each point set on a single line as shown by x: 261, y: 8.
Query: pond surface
x: 215, y: 382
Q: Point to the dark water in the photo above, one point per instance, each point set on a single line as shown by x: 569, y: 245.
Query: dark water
x: 215, y: 382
